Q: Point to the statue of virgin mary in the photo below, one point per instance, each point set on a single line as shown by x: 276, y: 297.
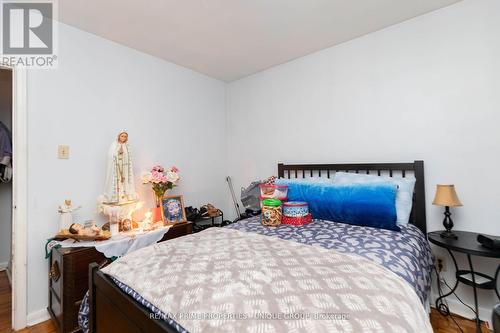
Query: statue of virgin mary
x: 119, y: 187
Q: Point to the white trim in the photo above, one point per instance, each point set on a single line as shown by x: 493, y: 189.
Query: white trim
x: 37, y: 317
x: 20, y: 198
x: 3, y: 266
x: 8, y: 275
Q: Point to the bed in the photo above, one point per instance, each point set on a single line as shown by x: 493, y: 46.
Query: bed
x: 397, y: 262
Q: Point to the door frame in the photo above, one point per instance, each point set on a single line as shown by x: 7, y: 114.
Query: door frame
x: 19, y: 197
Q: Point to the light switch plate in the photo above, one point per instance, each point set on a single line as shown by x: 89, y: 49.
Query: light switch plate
x: 63, y: 152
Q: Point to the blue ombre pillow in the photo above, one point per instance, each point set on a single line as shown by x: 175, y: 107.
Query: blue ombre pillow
x: 404, y: 195
x: 372, y: 205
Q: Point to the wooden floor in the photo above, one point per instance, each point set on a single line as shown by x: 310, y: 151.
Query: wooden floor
x: 45, y: 327
x: 440, y: 324
x: 5, y: 311
x: 5, y: 303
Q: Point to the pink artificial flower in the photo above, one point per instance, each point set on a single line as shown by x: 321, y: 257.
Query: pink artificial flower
x: 157, y: 177
x: 174, y: 169
x: 158, y: 168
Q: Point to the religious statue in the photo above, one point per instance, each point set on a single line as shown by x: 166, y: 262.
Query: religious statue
x: 119, y: 200
x: 119, y: 187
x: 66, y: 211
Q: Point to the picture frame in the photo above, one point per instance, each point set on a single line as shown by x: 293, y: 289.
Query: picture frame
x: 173, y: 209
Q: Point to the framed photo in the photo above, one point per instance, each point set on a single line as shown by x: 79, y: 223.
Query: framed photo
x: 173, y: 209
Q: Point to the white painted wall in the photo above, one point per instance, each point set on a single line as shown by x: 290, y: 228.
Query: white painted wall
x: 424, y: 89
x: 5, y: 188
x: 173, y: 116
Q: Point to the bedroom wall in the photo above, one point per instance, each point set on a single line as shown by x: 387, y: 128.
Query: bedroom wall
x: 423, y: 89
x: 173, y: 116
x: 5, y: 188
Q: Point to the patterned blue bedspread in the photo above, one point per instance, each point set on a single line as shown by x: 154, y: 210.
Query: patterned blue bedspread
x: 406, y: 253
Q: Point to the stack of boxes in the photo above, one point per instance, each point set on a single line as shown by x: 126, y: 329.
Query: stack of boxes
x: 276, y: 210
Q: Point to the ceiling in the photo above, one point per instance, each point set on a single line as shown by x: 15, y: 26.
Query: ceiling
x: 231, y: 39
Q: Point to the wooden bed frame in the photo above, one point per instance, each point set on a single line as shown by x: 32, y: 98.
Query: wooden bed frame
x: 111, y: 310
x: 416, y: 168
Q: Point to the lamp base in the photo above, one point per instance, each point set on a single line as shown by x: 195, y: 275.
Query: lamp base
x: 448, y: 225
x: 448, y: 235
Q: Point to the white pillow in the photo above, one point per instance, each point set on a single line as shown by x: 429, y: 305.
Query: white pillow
x: 404, y: 195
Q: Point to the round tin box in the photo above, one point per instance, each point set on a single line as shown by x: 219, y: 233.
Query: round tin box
x: 295, y: 209
x: 296, y: 220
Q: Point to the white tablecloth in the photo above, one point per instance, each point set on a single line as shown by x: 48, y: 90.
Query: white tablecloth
x: 121, y: 244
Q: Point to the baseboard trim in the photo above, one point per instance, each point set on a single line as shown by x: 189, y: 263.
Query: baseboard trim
x: 37, y: 317
x: 3, y: 266
x: 458, y: 308
x: 9, y: 275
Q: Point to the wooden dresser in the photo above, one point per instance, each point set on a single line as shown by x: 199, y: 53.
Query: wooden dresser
x: 68, y: 279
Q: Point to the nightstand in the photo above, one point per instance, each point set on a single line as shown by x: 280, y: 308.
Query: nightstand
x: 68, y: 278
x: 178, y: 230
x: 199, y: 225
x: 467, y: 243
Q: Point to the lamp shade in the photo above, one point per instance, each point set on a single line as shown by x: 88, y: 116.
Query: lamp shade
x: 446, y: 196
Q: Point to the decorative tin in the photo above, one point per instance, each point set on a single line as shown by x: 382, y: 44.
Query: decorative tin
x: 295, y: 209
x: 273, y: 191
x: 271, y: 212
x: 302, y: 220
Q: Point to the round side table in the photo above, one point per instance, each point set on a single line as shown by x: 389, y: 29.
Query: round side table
x: 467, y: 243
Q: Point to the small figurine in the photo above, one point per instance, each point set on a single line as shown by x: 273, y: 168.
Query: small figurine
x: 145, y: 225
x: 127, y: 225
x: 66, y: 210
x: 78, y: 229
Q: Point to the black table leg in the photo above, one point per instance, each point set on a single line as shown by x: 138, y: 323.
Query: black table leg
x: 466, y: 243
x: 496, y: 284
x: 438, y: 300
x: 478, y: 322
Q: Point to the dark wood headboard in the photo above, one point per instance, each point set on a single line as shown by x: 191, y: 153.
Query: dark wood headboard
x: 416, y: 168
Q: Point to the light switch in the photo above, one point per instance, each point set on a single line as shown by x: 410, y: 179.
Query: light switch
x: 63, y: 152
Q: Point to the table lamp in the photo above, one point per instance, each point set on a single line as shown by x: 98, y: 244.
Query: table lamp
x: 447, y: 197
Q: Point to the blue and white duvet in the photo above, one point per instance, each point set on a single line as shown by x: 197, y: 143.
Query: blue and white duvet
x: 406, y: 253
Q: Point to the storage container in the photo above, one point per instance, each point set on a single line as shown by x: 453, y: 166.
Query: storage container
x: 295, y: 209
x: 282, y: 200
x: 273, y: 191
x: 297, y: 220
x: 271, y: 212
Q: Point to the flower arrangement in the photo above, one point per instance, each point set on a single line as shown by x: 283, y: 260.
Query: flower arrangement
x: 162, y: 180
